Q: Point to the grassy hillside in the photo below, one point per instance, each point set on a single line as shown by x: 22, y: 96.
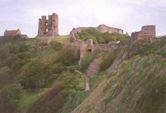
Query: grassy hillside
x: 100, y: 38
x: 137, y: 85
x: 37, y: 77
x: 30, y: 70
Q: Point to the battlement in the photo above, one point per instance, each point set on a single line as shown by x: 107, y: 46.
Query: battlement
x: 48, y: 26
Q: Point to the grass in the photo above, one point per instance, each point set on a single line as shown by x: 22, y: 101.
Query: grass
x: 29, y: 98
x: 73, y: 101
x: 136, y: 86
x: 62, y: 39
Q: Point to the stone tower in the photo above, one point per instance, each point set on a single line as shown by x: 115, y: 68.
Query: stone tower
x: 147, y: 32
x: 48, y: 26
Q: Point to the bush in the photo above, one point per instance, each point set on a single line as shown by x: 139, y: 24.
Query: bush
x: 68, y: 56
x: 71, y: 80
x: 14, y: 92
x: 35, y: 74
x: 57, y: 68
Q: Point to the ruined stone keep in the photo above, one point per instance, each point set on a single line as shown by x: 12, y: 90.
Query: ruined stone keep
x: 147, y: 32
x: 48, y: 26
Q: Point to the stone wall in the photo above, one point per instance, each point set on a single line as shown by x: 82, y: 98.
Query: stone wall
x: 103, y: 29
x: 48, y: 26
x: 87, y: 47
x: 147, y: 32
x: 12, y: 32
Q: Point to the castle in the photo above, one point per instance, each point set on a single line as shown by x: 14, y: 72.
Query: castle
x: 48, y: 27
x: 147, y: 33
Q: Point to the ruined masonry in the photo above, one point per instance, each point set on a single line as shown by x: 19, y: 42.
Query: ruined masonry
x: 147, y: 33
x: 14, y: 33
x: 48, y: 26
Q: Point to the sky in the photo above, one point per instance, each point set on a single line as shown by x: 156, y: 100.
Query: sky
x: 129, y: 15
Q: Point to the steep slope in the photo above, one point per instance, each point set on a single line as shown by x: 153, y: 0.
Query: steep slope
x: 29, y: 67
x: 36, y: 77
x: 137, y: 85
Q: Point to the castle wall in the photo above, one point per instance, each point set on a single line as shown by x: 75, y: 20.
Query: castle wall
x: 104, y: 29
x: 101, y: 28
x: 147, y: 32
x: 48, y: 27
x: 12, y: 32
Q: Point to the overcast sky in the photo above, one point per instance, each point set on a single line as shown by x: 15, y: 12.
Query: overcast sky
x: 129, y: 15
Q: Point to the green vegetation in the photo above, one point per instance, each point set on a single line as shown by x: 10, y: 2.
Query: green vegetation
x: 100, y: 38
x: 28, y: 98
x: 73, y: 101
x: 108, y: 58
x: 29, y: 66
x: 37, y: 77
x: 62, y: 39
x: 14, y: 92
x: 136, y: 85
x: 86, y: 61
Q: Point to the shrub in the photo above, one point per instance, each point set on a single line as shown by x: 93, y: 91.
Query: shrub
x: 71, y: 80
x: 57, y: 68
x: 68, y: 56
x: 14, y: 92
x: 35, y: 74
